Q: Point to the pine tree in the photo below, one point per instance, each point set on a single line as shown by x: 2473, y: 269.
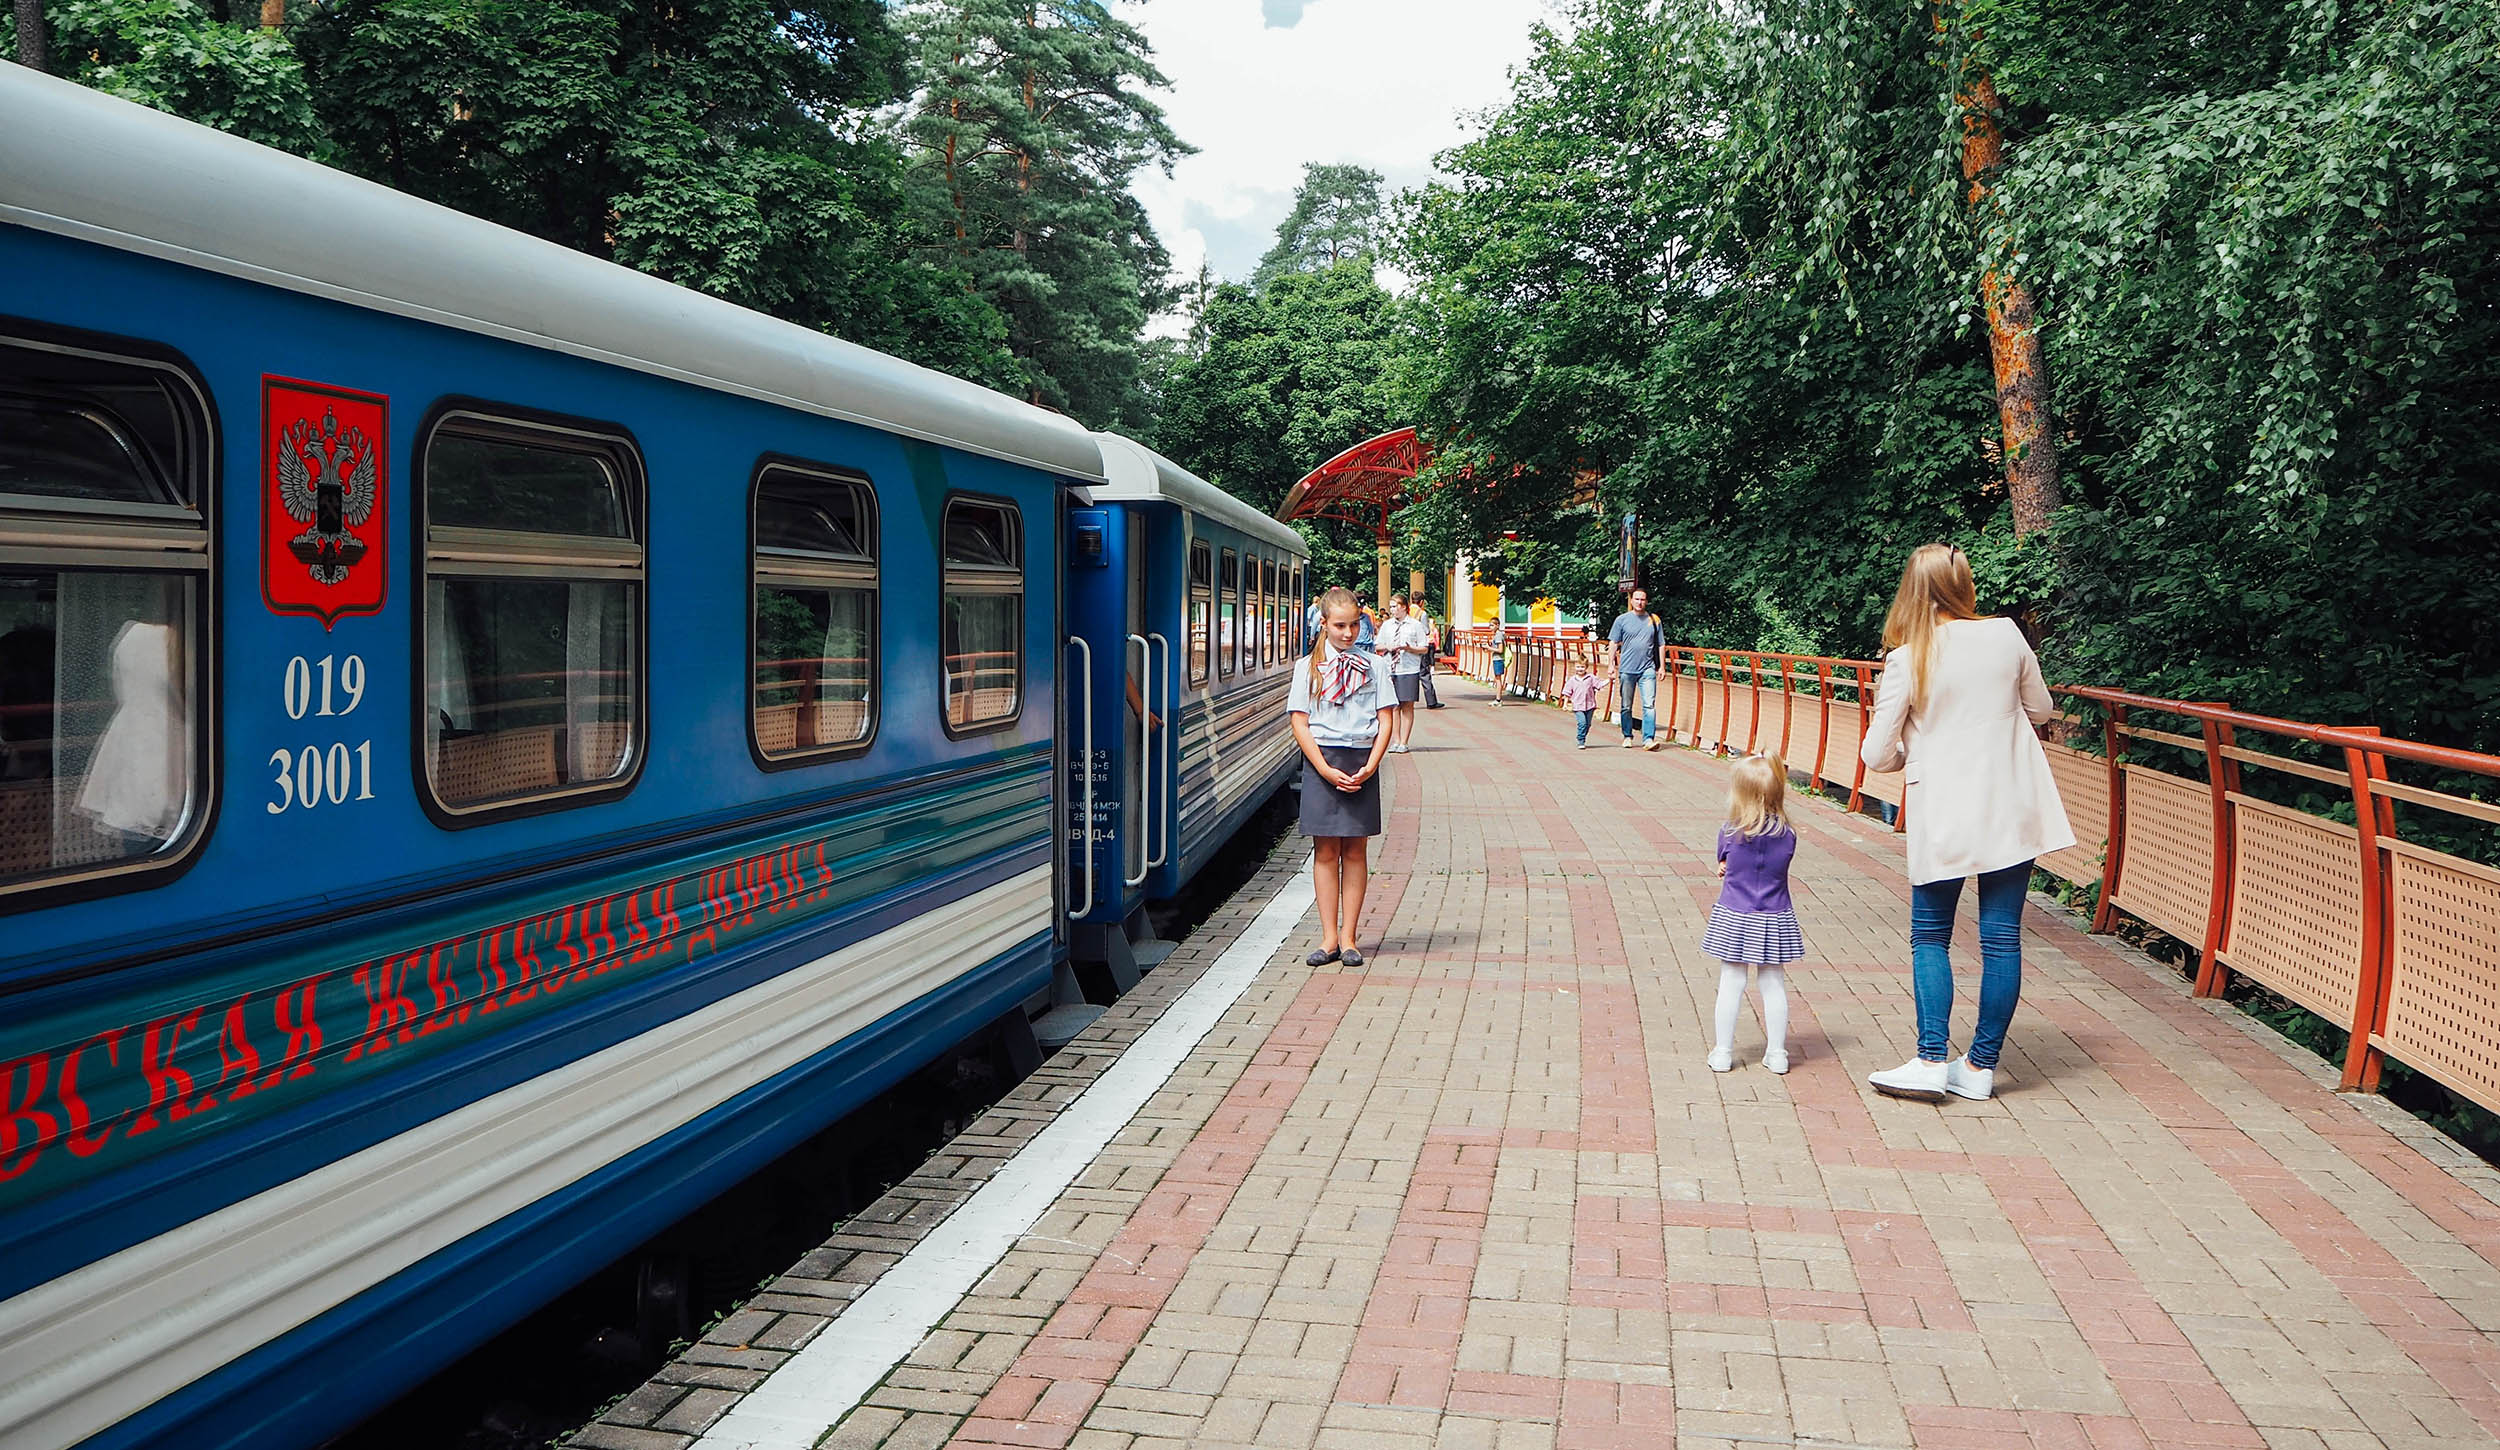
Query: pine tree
x: 1337, y: 215
x: 1029, y: 121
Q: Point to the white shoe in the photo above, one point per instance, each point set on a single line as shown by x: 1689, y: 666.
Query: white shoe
x: 1775, y: 1060
x: 1917, y: 1078
x: 1722, y: 1059
x: 1965, y: 1081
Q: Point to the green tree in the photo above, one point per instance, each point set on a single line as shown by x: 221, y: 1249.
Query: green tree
x: 1029, y: 120
x: 1337, y: 217
x: 728, y: 145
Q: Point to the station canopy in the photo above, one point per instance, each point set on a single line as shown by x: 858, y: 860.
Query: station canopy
x: 1361, y: 486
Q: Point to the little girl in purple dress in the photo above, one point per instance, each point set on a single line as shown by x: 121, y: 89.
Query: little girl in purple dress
x: 1753, y: 923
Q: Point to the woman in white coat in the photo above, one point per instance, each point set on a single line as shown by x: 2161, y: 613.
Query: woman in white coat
x: 1959, y: 697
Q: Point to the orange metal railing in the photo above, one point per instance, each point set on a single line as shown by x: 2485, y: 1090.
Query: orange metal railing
x: 2392, y: 937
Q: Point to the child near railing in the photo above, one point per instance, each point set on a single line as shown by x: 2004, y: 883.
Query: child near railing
x: 1579, y: 694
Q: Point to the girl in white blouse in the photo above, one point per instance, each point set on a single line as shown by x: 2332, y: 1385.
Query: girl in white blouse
x: 1959, y: 697
x: 1340, y: 707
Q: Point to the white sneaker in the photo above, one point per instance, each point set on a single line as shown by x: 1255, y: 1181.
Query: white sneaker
x: 1917, y: 1078
x: 1775, y: 1060
x: 1722, y: 1059
x: 1965, y: 1081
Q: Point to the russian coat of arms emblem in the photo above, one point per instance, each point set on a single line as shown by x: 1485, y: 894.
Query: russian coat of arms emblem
x: 325, y: 458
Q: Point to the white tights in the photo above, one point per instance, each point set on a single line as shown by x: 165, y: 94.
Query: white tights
x: 1772, y: 983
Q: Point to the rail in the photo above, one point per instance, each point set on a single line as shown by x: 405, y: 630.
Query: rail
x: 2316, y: 887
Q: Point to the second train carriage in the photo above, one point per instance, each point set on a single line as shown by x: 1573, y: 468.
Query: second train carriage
x: 1186, y: 606
x: 492, y: 747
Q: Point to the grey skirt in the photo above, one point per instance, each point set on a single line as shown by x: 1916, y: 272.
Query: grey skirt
x: 1328, y: 811
x: 1408, y: 686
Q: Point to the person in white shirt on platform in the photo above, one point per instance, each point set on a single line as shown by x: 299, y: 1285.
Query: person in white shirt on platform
x: 1340, y: 707
x: 1954, y: 714
x: 1403, y: 639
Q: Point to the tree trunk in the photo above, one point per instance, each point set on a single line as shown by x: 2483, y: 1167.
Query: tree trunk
x: 2013, y: 334
x: 32, y: 51
x: 272, y: 14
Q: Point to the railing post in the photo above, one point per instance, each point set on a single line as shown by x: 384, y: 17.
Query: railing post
x: 1727, y: 706
x: 2222, y: 778
x: 1753, y: 688
x: 2371, y: 812
x: 1675, y: 686
x: 1866, y: 714
x: 1788, y: 703
x: 1823, y: 732
x: 2114, y: 748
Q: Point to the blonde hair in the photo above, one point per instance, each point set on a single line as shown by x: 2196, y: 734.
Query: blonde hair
x: 1935, y: 587
x: 1335, y: 599
x: 1757, y: 795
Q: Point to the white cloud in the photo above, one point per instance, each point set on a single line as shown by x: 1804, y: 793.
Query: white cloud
x: 1262, y: 86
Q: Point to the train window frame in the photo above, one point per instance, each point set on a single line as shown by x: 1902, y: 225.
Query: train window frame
x: 1227, y: 595
x: 808, y: 569
x: 62, y: 534
x: 1201, y: 592
x: 984, y: 580
x: 1247, y: 592
x: 473, y: 553
x: 1298, y: 626
x: 1268, y: 642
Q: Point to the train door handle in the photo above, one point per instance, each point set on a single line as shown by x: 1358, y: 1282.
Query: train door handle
x: 1162, y: 778
x: 1145, y: 753
x: 1085, y: 747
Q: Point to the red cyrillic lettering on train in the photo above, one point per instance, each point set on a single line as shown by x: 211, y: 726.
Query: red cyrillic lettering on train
x: 298, y: 1014
x: 388, y: 1007
x: 168, y: 1085
x: 440, y: 965
x: 237, y: 1060
x: 524, y: 966
x: 600, y: 941
x: 637, y: 943
x: 570, y: 969
x: 82, y: 1142
x: 824, y: 874
x: 25, y: 1130
x: 489, y: 948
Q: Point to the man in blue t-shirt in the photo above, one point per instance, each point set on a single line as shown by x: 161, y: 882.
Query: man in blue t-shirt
x: 1635, y: 641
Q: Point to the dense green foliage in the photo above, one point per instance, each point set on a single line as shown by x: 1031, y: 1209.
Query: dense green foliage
x: 1725, y: 261
x: 1029, y: 121
x: 745, y: 148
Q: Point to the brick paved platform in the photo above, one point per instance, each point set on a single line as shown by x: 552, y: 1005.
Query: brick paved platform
x: 1484, y: 1191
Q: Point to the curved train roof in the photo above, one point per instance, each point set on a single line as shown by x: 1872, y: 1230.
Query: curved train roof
x: 82, y: 164
x: 1131, y: 471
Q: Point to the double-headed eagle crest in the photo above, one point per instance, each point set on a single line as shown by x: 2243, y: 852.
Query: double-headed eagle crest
x: 326, y: 479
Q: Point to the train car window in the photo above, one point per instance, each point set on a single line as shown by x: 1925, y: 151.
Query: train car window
x: 104, y: 639
x: 815, y: 613
x: 981, y: 629
x: 1201, y: 605
x: 532, y: 632
x: 1298, y: 615
x: 1267, y: 637
x: 1227, y: 604
x: 1249, y: 591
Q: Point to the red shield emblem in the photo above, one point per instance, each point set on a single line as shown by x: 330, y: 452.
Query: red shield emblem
x: 325, y: 466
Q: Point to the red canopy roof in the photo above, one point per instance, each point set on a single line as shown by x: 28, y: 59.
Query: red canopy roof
x: 1363, y: 485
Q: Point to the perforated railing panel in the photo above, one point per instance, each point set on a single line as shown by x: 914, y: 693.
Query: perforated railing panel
x: 2083, y: 784
x: 2443, y: 1000
x: 2296, y: 907
x: 1840, y: 758
x: 2168, y: 876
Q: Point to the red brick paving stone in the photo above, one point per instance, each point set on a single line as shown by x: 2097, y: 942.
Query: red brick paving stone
x: 1056, y: 1381
x: 1406, y: 1348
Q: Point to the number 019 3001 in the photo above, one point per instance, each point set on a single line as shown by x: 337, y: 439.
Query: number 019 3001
x: 312, y: 776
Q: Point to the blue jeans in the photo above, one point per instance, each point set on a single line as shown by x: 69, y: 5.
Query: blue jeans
x: 1647, y: 688
x: 1585, y: 717
x: 2000, y: 961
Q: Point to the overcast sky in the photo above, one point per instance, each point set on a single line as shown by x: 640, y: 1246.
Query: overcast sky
x: 1262, y: 86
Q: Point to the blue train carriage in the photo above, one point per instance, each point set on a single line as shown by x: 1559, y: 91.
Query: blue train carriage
x: 1186, y: 604
x: 493, y: 747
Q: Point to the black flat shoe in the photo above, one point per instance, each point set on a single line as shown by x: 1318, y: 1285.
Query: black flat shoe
x: 1351, y: 957
x: 1321, y: 958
